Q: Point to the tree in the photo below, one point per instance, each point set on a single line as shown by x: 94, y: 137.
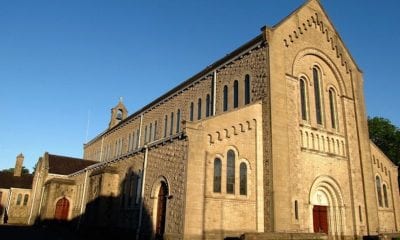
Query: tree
x: 386, y: 136
x: 11, y: 170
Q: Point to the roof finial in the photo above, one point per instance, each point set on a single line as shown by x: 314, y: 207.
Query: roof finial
x: 120, y: 99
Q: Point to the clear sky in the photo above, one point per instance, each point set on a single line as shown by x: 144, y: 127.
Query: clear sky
x: 63, y: 63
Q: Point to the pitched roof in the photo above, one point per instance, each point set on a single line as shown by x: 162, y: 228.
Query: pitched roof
x: 66, y: 165
x: 8, y: 180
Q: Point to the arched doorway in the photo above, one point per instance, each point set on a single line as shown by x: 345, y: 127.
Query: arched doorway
x: 161, y: 210
x: 320, y: 213
x: 327, y: 207
x: 62, y: 209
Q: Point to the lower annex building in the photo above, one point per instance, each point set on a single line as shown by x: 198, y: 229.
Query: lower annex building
x: 270, y: 139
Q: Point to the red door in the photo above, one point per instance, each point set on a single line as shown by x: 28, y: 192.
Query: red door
x: 62, y: 209
x: 161, y: 211
x: 320, y: 217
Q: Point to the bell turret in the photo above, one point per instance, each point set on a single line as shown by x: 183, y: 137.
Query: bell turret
x: 118, y: 113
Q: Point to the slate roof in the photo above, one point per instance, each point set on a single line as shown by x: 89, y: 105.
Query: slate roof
x: 66, y: 165
x: 8, y: 180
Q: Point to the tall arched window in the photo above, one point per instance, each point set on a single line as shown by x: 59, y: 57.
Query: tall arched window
x: 145, y: 134
x: 385, y: 196
x: 317, y: 93
x: 155, y: 130
x: 191, y: 111
x: 296, y: 210
x: 26, y: 198
x: 165, y: 125
x: 208, y: 105
x: 178, y: 120
x: 131, y: 189
x: 129, y: 142
x: 235, y: 94
x: 225, y: 107
x: 171, y: 130
x: 19, y: 199
x: 247, y: 89
x: 151, y: 132
x: 243, y: 179
x: 303, y: 99
x: 217, y: 175
x: 332, y: 107
x: 230, y: 172
x: 379, y: 191
x: 138, y: 186
x: 199, y: 109
x: 137, y: 138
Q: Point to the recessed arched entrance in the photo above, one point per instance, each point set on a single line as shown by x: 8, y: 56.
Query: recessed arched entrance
x: 327, y: 207
x: 161, y: 210
x: 62, y: 209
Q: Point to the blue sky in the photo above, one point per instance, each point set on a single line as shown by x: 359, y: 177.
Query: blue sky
x: 64, y: 62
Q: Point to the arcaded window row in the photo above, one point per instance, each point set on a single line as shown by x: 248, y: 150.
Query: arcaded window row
x: 19, y: 199
x: 318, y: 100
x: 381, y: 191
x: 230, y: 175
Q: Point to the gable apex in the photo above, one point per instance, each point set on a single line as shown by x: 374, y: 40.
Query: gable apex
x: 312, y: 14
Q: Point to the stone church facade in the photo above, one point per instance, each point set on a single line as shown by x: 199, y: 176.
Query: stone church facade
x: 271, y: 139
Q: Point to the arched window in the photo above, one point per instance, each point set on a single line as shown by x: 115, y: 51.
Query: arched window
x: 379, y: 191
x: 137, y: 138
x: 129, y: 142
x: 19, y: 199
x: 296, y: 210
x: 145, y: 134
x: 247, y: 89
x: 235, y: 94
x: 217, y: 175
x: 26, y: 198
x: 230, y: 172
x: 199, y: 109
x: 138, y: 186
x: 178, y: 120
x: 165, y: 125
x: 243, y: 179
x: 191, y: 111
x: 151, y: 132
x: 208, y: 105
x: 385, y: 197
x: 155, y: 130
x: 131, y: 189
x: 225, y: 107
x: 303, y: 99
x: 317, y: 93
x: 332, y: 107
x: 171, y: 130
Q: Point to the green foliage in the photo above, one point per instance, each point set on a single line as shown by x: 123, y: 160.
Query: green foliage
x: 11, y: 170
x: 386, y: 136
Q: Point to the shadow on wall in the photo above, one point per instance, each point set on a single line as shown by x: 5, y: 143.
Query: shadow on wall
x: 113, y: 217
x: 2, y: 215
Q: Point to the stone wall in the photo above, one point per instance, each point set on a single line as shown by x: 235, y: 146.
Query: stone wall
x: 218, y: 214
x: 388, y: 208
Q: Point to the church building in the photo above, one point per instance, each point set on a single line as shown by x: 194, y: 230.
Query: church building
x: 270, y: 140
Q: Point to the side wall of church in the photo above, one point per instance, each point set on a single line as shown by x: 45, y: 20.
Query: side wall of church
x: 386, y: 191
x: 160, y: 119
x: 114, y: 191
